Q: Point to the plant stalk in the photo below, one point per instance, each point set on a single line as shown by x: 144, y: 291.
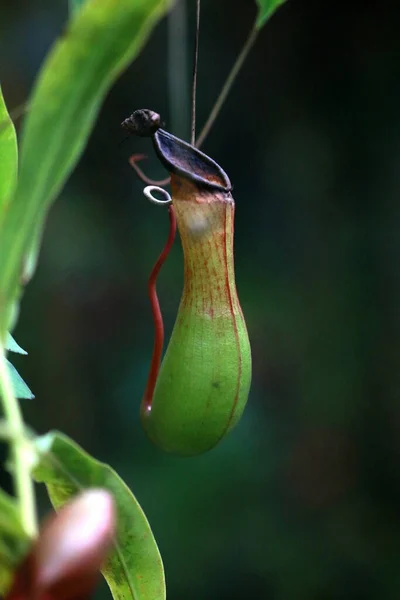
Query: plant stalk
x: 20, y: 449
x: 194, y: 81
x: 226, y: 88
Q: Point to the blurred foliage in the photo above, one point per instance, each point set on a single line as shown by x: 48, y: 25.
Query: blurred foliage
x: 134, y: 568
x: 75, y: 5
x: 9, y: 154
x: 63, y: 106
x: 302, y: 499
x: 266, y: 9
x: 13, y: 540
x: 21, y: 390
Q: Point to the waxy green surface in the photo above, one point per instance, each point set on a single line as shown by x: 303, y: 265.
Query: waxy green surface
x: 205, y: 377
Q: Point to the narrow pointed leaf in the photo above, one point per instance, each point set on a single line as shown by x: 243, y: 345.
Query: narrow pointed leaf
x: 9, y: 155
x: 12, y: 346
x: 266, y: 9
x: 134, y: 570
x: 21, y: 390
x: 100, y: 40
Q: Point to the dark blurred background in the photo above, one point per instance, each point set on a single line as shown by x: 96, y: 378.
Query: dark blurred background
x: 302, y: 500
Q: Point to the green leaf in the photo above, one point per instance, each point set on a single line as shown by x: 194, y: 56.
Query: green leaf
x: 13, y: 541
x: 266, y: 9
x: 12, y: 346
x: 9, y: 155
x: 20, y: 388
x: 101, y: 39
x: 10, y: 523
x: 75, y: 5
x: 134, y: 570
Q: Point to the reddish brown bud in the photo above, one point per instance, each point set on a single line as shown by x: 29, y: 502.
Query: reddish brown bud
x: 64, y: 562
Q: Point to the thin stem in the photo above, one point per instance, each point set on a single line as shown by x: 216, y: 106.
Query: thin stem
x: 19, y: 111
x: 178, y: 85
x: 227, y: 85
x: 134, y: 159
x: 23, y: 483
x: 194, y: 81
x: 15, y: 114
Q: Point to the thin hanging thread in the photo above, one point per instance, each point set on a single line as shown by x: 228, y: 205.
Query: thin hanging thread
x: 226, y: 88
x: 194, y: 83
x: 152, y: 283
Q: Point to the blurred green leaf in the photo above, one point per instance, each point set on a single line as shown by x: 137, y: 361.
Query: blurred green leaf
x: 134, y: 569
x: 13, y: 541
x: 10, y: 523
x: 101, y: 39
x: 8, y: 153
x: 12, y: 346
x: 20, y: 388
x: 266, y: 9
x: 75, y: 5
